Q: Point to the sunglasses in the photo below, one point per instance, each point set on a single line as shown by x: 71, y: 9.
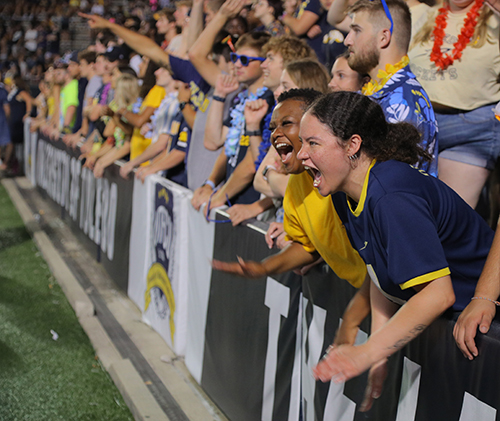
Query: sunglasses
x: 244, y: 60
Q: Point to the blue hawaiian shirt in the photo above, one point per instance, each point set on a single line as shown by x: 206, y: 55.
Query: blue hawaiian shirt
x: 403, y: 99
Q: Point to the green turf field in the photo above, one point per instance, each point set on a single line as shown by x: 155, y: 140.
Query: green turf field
x: 42, y: 378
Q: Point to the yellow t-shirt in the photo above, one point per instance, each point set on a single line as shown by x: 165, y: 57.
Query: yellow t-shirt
x: 470, y: 82
x: 311, y: 220
x: 138, y: 143
x: 51, y: 105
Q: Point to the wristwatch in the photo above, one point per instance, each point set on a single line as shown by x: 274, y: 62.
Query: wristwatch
x: 183, y: 104
x: 266, y: 170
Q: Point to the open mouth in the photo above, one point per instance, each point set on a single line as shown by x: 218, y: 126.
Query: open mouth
x: 316, y: 175
x: 285, y: 151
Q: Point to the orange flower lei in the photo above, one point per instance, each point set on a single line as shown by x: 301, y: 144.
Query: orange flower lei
x: 443, y: 61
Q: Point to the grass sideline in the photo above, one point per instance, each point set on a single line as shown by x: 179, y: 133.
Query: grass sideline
x: 42, y: 378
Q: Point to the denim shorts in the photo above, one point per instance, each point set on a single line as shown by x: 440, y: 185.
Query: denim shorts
x: 471, y: 137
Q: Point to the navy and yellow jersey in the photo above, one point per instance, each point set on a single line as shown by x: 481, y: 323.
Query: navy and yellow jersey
x: 410, y: 228
x: 333, y: 42
x: 316, y: 43
x: 180, y: 141
x: 184, y: 71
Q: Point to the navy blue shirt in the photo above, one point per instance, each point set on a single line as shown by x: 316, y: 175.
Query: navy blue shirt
x: 411, y: 228
x: 180, y: 141
x: 184, y: 71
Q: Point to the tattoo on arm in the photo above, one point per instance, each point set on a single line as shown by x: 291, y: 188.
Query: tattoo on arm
x: 417, y: 330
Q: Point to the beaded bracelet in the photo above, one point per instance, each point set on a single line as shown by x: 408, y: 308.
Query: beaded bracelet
x: 497, y: 303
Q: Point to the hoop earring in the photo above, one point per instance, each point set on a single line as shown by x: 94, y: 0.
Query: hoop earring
x: 353, y: 159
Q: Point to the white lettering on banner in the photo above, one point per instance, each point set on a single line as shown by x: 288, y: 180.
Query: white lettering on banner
x: 408, y: 397
x: 278, y: 300
x: 105, y: 208
x: 295, y: 389
x: 52, y: 172
x: 76, y: 169
x: 111, y: 222
x: 87, y: 203
x: 474, y: 409
x: 60, y: 176
x: 315, y: 339
x: 66, y: 178
x: 163, y: 231
x: 98, y: 211
x: 339, y: 407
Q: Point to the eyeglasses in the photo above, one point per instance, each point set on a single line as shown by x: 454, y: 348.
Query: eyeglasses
x: 387, y: 13
x: 207, y: 217
x: 244, y: 60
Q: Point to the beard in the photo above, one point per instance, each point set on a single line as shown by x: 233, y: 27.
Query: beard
x: 364, y: 62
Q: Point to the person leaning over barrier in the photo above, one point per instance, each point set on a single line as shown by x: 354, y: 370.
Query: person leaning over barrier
x: 424, y: 247
x: 313, y: 235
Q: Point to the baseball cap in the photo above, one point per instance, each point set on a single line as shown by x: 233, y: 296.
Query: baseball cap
x: 115, y: 53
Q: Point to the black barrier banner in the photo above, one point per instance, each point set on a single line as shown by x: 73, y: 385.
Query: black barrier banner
x: 251, y: 366
x: 427, y: 380
x: 98, y: 211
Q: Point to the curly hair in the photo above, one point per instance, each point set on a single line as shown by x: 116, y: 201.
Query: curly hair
x: 305, y: 96
x: 290, y: 48
x: 349, y: 113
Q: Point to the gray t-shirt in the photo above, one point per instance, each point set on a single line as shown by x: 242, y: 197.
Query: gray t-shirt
x: 200, y: 160
x: 93, y: 86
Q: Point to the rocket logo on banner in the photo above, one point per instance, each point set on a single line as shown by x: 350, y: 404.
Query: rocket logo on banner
x: 159, y: 288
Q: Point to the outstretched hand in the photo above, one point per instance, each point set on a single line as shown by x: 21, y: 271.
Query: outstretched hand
x: 95, y: 21
x: 478, y: 314
x: 231, y: 8
x: 247, y: 269
x: 342, y: 363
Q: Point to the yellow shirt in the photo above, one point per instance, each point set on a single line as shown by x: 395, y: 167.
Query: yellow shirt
x: 51, y: 105
x: 138, y: 143
x: 468, y: 83
x: 311, y: 220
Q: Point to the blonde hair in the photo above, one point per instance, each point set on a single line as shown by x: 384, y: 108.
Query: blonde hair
x: 127, y: 91
x: 309, y: 74
x: 480, y: 31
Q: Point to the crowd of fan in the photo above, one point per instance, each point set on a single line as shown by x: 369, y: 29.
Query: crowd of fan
x: 187, y: 89
x: 210, y: 93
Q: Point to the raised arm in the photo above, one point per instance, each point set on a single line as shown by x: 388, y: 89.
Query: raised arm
x: 300, y: 26
x: 215, y: 134
x: 195, y: 27
x: 337, y: 14
x: 140, y: 43
x: 199, y: 52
